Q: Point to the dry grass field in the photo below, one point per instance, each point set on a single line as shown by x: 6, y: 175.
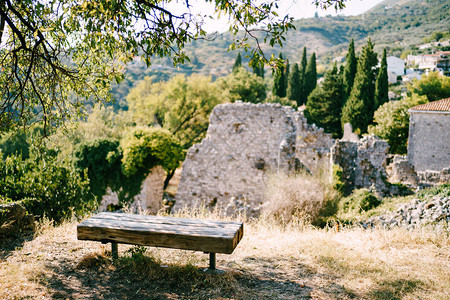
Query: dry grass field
x: 273, y: 261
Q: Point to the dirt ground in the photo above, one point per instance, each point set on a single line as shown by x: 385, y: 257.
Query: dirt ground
x: 55, y: 265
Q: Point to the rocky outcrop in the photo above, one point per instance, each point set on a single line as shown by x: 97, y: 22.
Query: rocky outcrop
x: 415, y: 214
x: 14, y: 218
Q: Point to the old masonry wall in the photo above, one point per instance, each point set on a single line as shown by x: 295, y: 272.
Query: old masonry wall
x: 245, y: 143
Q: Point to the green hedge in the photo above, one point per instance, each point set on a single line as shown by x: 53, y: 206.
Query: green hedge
x: 47, y: 186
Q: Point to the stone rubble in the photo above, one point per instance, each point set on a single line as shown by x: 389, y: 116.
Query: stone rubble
x: 415, y: 214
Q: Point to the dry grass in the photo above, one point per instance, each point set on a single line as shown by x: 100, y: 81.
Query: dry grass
x: 300, y: 195
x: 273, y: 261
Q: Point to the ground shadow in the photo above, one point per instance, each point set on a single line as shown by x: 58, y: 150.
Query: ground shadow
x: 99, y: 277
x: 395, y: 289
x: 12, y: 243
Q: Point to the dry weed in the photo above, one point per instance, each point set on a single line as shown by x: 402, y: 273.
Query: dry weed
x: 274, y: 260
x: 298, y: 196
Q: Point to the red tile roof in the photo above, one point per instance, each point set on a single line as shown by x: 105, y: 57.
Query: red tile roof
x: 440, y: 105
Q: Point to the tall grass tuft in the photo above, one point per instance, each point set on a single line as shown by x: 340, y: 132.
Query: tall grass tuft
x: 289, y: 197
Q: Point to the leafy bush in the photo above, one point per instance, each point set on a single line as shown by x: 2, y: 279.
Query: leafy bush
x: 392, y: 122
x: 360, y: 200
x: 337, y: 179
x: 47, y: 186
x: 102, y: 160
x: 440, y: 190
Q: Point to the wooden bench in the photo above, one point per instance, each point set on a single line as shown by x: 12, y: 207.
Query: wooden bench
x: 180, y: 233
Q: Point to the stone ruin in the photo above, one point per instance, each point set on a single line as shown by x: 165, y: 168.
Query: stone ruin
x: 245, y: 144
x: 363, y: 163
x: 150, y: 197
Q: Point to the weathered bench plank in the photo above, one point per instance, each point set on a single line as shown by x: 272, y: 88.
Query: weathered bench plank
x: 169, y: 232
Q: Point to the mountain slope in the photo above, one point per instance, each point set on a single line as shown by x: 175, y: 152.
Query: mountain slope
x: 392, y: 24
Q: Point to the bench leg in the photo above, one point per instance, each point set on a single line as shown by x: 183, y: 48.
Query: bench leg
x: 212, y: 261
x: 114, y: 250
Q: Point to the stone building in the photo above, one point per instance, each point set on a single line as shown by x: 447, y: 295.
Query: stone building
x: 245, y: 144
x: 429, y: 136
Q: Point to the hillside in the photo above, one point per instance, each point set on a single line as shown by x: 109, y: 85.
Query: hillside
x: 394, y: 24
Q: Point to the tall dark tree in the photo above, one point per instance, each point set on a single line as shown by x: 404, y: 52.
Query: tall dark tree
x: 311, y: 75
x: 286, y: 74
x: 351, y: 63
x: 381, y: 85
x: 238, y: 62
x: 279, y: 81
x: 293, y: 88
x: 303, y: 65
x: 47, y: 54
x: 358, y: 110
x: 324, y: 104
x: 259, y: 70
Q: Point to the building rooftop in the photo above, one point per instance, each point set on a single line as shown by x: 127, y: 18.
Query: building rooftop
x: 440, y: 105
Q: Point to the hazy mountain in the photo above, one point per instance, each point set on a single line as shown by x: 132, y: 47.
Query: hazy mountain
x: 393, y: 24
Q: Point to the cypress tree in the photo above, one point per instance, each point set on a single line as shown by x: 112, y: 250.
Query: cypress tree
x: 381, y: 85
x: 279, y: 81
x: 324, y: 104
x: 259, y: 70
x: 237, y: 62
x: 311, y: 75
x: 286, y: 74
x: 303, y: 64
x: 293, y: 88
x: 358, y: 110
x: 351, y: 63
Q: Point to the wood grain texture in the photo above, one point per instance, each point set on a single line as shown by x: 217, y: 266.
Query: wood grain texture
x: 179, y: 233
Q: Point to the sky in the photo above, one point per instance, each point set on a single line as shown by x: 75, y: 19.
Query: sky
x: 295, y: 8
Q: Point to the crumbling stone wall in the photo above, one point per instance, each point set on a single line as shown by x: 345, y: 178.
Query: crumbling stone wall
x: 150, y: 197
x: 244, y: 144
x: 400, y: 170
x: 433, y: 178
x: 312, y: 146
x: 363, y: 163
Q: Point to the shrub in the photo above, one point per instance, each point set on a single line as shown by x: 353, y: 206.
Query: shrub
x: 360, y: 200
x: 442, y: 190
x: 47, y: 186
x: 300, y: 195
x: 337, y: 179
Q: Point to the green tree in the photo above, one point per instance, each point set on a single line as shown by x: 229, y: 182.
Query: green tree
x: 381, y: 84
x: 311, y: 75
x: 242, y: 85
x: 351, y: 63
x: 325, y: 103
x: 293, y: 88
x: 433, y: 85
x: 303, y: 65
x: 358, y: 110
x: 182, y: 105
x: 286, y: 74
x: 258, y: 70
x: 238, y: 62
x: 391, y: 122
x: 123, y: 167
x: 279, y: 81
x: 102, y: 160
x: 52, y: 50
x: 45, y: 185
x: 143, y: 149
